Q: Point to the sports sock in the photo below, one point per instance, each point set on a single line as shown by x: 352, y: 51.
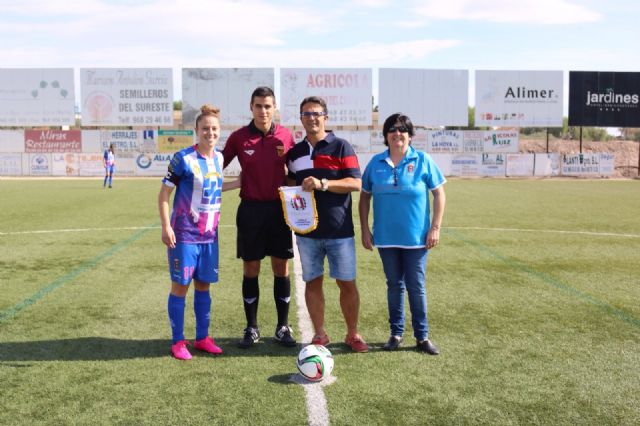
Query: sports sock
x: 110, y: 179
x: 251, y: 296
x: 105, y: 181
x: 202, y: 309
x: 175, y: 306
x: 282, y: 296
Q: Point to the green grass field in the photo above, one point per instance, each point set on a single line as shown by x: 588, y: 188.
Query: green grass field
x: 533, y: 301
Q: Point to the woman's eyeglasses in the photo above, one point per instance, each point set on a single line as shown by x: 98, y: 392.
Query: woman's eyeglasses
x: 401, y: 129
x: 395, y: 176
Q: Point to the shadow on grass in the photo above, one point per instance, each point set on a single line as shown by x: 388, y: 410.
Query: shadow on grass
x: 107, y: 349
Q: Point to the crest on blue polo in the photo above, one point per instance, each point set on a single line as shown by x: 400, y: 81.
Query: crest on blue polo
x: 315, y: 362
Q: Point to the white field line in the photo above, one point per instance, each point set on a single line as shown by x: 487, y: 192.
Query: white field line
x: 56, y: 231
x: 478, y: 228
x: 548, y: 231
x: 317, y: 411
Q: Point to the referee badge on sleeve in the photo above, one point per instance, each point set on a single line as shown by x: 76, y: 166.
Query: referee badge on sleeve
x: 299, y: 208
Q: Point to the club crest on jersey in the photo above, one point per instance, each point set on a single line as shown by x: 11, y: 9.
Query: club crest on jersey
x: 249, y: 152
x: 410, y: 168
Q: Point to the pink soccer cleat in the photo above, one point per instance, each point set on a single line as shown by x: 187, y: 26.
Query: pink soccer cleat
x: 208, y: 345
x: 180, y: 351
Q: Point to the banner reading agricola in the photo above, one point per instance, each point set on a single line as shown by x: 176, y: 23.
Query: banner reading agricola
x: 52, y: 141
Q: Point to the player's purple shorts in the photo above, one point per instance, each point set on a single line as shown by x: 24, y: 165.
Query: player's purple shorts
x: 199, y: 261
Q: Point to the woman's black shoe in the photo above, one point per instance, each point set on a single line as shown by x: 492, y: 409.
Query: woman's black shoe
x: 393, y: 343
x: 428, y: 347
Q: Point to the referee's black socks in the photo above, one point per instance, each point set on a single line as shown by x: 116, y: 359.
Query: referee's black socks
x: 282, y: 297
x: 251, y: 296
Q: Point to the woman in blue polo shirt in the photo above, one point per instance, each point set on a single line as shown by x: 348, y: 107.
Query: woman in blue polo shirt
x: 399, y: 180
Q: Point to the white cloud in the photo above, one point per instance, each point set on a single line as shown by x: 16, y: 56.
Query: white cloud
x: 508, y: 11
x: 359, y: 55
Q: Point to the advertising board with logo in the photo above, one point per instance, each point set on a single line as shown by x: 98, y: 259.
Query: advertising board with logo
x: 126, y: 96
x: 10, y: 164
x: 606, y: 99
x: 40, y: 164
x: 519, y: 98
x: 37, y: 97
x: 52, y: 141
x: 346, y: 91
x: 152, y: 164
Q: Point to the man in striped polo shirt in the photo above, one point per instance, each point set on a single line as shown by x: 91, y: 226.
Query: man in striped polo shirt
x: 327, y: 165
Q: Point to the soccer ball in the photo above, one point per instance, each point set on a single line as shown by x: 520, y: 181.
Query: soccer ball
x: 315, y: 362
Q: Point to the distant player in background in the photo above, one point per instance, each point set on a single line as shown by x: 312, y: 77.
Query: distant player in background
x: 191, y: 233
x: 261, y: 148
x: 109, y: 162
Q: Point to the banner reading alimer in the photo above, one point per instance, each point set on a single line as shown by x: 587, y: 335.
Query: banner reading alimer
x: 606, y: 99
x: 519, y: 98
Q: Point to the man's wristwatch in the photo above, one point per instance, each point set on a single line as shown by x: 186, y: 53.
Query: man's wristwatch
x: 325, y: 184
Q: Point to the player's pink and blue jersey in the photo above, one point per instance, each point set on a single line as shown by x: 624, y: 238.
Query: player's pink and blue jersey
x: 196, y: 205
x: 109, y: 158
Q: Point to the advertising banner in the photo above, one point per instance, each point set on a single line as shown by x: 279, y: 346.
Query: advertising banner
x: 604, y: 99
x: 607, y: 163
x: 473, y: 141
x: 10, y: 164
x: 501, y: 141
x: 465, y: 164
x: 11, y: 140
x: 229, y: 89
x: 91, y: 164
x: 493, y: 165
x: 174, y: 140
x: 40, y: 164
x: 37, y: 97
x: 152, y: 164
x: 64, y: 165
x: 519, y: 98
x: 520, y: 164
x: 359, y: 139
x: 445, y: 141
x: 347, y: 92
x: 547, y: 164
x: 52, y: 141
x: 124, y: 140
x: 429, y: 97
x: 580, y: 164
x: 126, y: 96
x: 444, y: 163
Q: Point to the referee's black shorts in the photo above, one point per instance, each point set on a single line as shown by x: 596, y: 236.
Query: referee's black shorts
x: 262, y: 231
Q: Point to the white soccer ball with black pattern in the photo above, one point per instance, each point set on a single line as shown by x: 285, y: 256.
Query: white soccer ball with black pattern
x: 315, y: 362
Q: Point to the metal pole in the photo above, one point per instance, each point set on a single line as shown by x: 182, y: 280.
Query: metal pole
x: 580, y: 139
x: 547, y: 140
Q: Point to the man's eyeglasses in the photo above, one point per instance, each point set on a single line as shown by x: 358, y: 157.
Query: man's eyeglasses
x: 401, y: 129
x: 313, y: 114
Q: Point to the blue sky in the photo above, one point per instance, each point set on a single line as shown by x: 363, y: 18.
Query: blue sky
x: 439, y: 34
